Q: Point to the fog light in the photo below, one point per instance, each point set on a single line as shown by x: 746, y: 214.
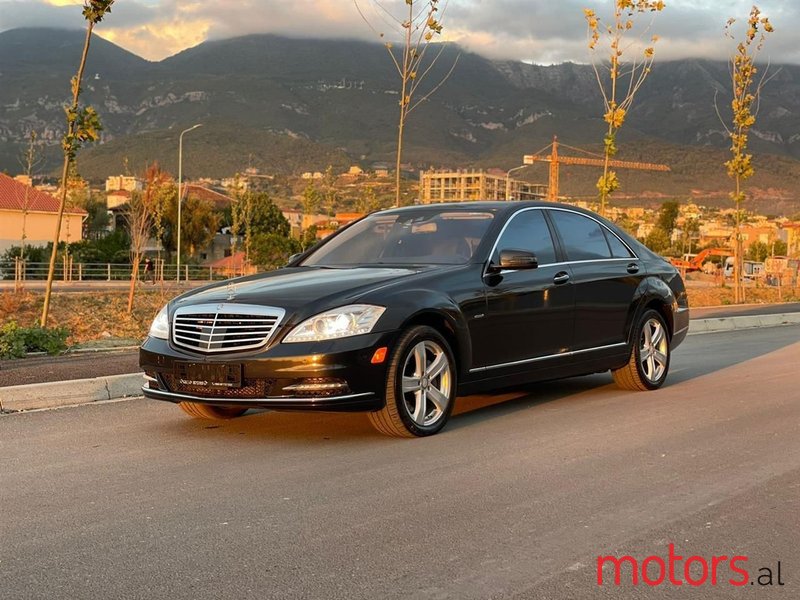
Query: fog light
x: 379, y: 356
x: 318, y: 386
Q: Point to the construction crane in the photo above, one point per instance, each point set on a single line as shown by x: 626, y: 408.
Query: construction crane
x: 555, y: 160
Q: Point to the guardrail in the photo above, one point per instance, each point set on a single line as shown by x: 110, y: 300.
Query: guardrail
x: 68, y: 270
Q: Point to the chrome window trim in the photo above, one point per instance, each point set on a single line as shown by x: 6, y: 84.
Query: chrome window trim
x: 557, y: 264
x: 217, y: 308
x: 548, y: 357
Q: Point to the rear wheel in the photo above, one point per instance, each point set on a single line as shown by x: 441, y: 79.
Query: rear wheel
x: 209, y: 411
x: 420, y: 386
x: 648, y: 365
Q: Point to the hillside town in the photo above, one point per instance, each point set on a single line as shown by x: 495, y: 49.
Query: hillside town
x: 315, y: 204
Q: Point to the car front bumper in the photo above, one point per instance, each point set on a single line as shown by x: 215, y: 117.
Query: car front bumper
x: 359, y: 384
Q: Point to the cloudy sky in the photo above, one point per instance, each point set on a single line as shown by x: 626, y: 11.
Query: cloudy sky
x: 541, y: 31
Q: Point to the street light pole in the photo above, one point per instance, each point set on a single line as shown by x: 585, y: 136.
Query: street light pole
x: 508, y: 180
x: 180, y: 196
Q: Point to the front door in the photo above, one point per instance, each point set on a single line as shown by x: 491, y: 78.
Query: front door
x: 529, y: 312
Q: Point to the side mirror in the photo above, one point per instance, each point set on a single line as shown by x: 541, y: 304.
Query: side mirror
x: 293, y: 258
x: 518, y: 260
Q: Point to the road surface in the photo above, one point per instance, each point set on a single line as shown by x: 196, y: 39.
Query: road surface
x: 515, y: 499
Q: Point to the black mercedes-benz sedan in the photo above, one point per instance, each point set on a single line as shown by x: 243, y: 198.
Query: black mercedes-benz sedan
x: 403, y: 310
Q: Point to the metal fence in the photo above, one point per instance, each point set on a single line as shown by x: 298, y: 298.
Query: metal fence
x: 69, y: 270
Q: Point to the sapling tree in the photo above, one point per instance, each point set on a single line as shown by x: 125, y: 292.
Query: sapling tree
x: 83, y: 125
x: 744, y: 108
x: 622, y: 58
x: 142, y: 214
x: 29, y: 160
x: 416, y: 23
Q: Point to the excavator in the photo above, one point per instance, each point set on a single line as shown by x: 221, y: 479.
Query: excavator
x: 696, y: 262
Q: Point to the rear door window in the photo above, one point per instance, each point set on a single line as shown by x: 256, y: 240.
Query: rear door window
x: 618, y: 249
x: 583, y: 238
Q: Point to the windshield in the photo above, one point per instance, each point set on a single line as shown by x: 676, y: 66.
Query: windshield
x: 411, y: 237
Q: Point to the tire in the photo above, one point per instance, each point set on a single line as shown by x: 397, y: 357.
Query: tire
x: 199, y: 410
x: 434, y: 385
x: 648, y: 364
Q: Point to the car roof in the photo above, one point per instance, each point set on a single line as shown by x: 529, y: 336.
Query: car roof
x: 493, y: 206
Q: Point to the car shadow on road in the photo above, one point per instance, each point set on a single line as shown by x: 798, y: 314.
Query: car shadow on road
x: 704, y: 356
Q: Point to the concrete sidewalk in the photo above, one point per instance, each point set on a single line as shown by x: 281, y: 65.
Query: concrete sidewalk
x: 82, y: 391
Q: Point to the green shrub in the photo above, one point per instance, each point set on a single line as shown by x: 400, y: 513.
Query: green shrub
x: 16, y: 341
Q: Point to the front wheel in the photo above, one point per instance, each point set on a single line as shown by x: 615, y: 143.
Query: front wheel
x: 648, y: 365
x: 199, y: 410
x: 420, y: 386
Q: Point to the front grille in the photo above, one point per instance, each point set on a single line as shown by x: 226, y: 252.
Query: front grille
x: 212, y: 328
x: 251, y: 388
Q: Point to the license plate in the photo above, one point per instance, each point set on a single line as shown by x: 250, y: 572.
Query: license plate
x: 211, y: 375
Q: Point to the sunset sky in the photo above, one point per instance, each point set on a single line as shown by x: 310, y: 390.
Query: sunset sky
x: 541, y: 31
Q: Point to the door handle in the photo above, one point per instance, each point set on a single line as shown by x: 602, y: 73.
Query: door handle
x: 633, y: 268
x: 562, y: 277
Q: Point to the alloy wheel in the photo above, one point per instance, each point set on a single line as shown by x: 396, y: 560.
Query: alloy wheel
x: 426, y: 383
x: 654, y: 350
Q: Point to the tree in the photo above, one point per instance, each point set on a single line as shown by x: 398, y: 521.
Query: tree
x: 311, y: 199
x: 744, y: 107
x: 83, y: 125
x: 254, y: 214
x: 267, y: 217
x: 29, y: 160
x: 271, y: 250
x: 331, y: 195
x: 658, y: 241
x: 757, y: 251
x: 200, y: 224
x: 417, y: 24
x: 368, y: 201
x: 624, y: 78
x: 309, y: 237
x: 140, y: 216
x: 689, y: 233
x: 668, y: 217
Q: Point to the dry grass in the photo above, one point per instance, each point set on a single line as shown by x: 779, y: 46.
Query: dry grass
x: 88, y: 316
x: 101, y: 315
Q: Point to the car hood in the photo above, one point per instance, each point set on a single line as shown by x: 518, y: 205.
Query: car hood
x: 294, y: 288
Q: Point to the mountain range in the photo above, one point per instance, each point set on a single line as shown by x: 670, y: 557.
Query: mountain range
x: 289, y: 105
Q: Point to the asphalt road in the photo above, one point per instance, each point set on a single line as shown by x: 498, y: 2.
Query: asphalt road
x: 515, y: 499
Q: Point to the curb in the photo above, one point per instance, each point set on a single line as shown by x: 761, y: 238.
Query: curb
x: 718, y: 324
x: 55, y: 394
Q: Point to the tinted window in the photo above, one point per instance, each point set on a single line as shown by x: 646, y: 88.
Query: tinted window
x: 528, y: 231
x: 421, y: 236
x: 618, y: 249
x: 583, y: 238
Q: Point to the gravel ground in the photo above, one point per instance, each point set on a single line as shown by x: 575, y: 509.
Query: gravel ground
x: 61, y: 368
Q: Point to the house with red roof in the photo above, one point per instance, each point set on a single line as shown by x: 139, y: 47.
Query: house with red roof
x: 22, y: 206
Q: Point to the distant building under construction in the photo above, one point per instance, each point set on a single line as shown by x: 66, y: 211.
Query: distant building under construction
x: 469, y: 185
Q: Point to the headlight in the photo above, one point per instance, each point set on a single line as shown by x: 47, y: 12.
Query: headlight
x: 342, y: 322
x: 160, y: 327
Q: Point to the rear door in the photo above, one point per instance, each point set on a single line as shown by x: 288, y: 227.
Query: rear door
x: 605, y: 275
x: 529, y: 312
